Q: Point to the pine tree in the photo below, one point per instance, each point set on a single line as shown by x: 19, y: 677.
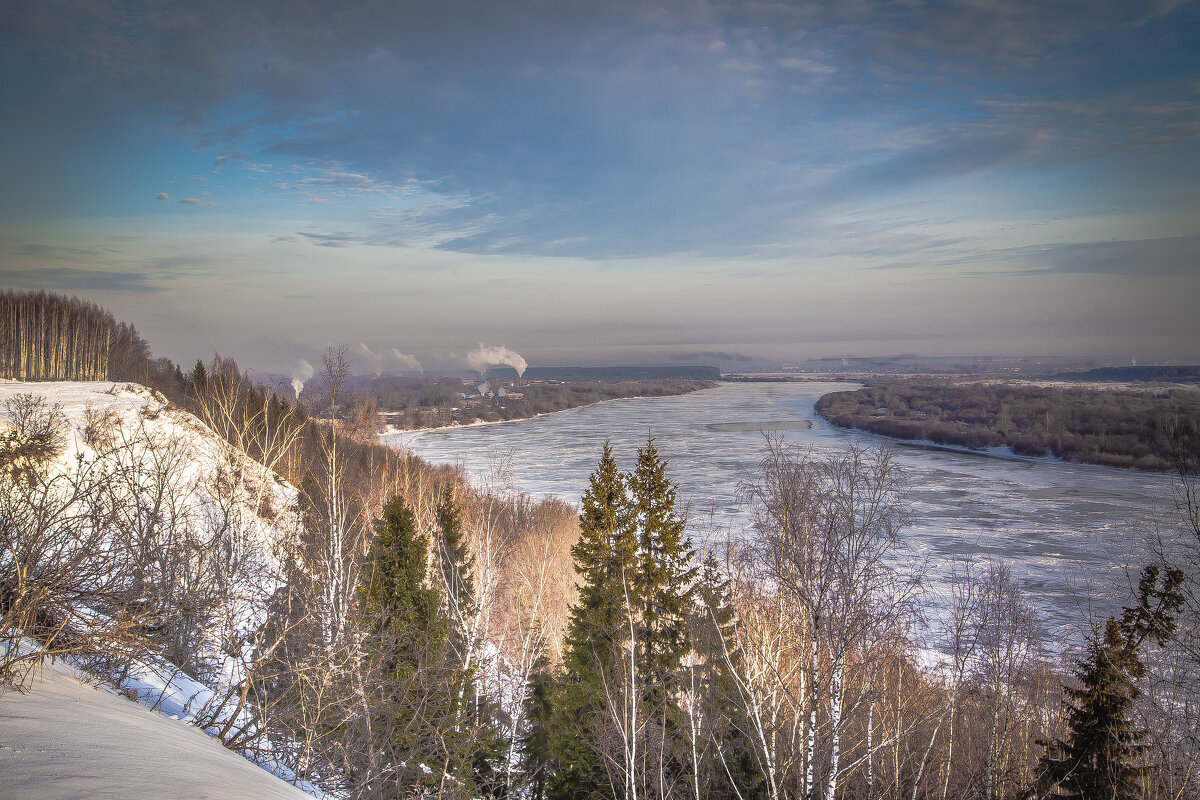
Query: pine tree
x: 1098, y: 759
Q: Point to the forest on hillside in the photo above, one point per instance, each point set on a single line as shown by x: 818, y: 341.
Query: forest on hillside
x: 1108, y: 426
x: 414, y: 635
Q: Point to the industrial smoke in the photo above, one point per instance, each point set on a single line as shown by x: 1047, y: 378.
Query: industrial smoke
x: 370, y: 359
x: 487, y: 355
x: 300, y: 374
x: 407, y: 361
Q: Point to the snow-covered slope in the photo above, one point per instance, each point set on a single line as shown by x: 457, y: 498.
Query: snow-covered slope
x: 64, y: 739
x: 138, y: 444
x: 103, y: 416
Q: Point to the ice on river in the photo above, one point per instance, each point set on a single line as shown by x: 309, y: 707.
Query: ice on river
x: 1068, y: 531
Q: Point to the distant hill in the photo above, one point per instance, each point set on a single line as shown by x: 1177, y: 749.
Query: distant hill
x: 1126, y: 374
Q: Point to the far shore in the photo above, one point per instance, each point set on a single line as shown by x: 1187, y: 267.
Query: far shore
x: 478, y: 423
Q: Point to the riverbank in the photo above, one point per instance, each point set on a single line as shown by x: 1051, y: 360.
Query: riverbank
x: 1111, y: 427
x: 532, y: 402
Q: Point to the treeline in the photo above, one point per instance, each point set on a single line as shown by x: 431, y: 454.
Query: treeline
x: 411, y: 403
x: 1159, y: 374
x: 1120, y: 428
x: 46, y: 336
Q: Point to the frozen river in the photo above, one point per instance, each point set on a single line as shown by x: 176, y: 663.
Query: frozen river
x: 1068, y: 531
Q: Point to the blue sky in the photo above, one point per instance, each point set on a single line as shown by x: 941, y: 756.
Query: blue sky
x: 611, y: 182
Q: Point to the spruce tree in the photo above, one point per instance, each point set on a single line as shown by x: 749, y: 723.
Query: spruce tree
x: 1099, y: 758
x: 401, y: 609
x: 536, y: 755
x: 412, y: 684
x: 664, y: 577
x: 455, y: 562
x: 597, y: 632
x: 729, y: 767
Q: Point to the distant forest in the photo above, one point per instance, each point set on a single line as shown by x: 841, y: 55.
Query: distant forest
x: 1161, y: 374
x: 1119, y: 428
x: 432, y: 402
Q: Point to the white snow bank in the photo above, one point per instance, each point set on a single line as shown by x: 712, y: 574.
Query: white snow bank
x: 65, y: 739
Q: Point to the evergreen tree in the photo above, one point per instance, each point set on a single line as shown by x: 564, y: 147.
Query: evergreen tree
x: 456, y: 561
x: 536, y: 756
x: 664, y: 577
x: 728, y: 767
x: 1098, y: 759
x: 597, y: 632
x: 413, y: 685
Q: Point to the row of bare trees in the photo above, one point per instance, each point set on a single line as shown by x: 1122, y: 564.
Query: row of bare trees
x: 46, y: 336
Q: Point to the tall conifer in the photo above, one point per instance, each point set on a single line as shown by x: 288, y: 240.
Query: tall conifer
x: 666, y: 573
x: 597, y: 632
x: 456, y: 561
x: 414, y: 692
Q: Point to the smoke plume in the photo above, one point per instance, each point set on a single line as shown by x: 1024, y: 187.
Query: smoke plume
x: 493, y: 356
x: 370, y: 359
x: 300, y: 374
x: 407, y: 361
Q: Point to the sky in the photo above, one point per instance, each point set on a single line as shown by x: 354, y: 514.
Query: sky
x: 608, y: 182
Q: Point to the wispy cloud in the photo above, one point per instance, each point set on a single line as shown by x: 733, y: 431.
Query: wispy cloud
x: 72, y: 279
x: 1175, y: 255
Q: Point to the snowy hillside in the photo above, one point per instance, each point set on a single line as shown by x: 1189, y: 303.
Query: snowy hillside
x: 65, y: 739
x: 179, y: 512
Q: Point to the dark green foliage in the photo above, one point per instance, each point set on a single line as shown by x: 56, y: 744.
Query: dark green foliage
x: 605, y: 561
x: 665, y: 574
x: 732, y: 770
x: 1121, y: 428
x: 635, y: 562
x: 1099, y: 758
x: 402, y: 610
x: 536, y: 755
x: 455, y: 562
x: 415, y: 686
x: 199, y: 377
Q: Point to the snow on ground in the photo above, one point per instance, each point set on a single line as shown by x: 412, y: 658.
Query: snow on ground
x: 65, y: 739
x: 145, y: 417
x: 51, y: 734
